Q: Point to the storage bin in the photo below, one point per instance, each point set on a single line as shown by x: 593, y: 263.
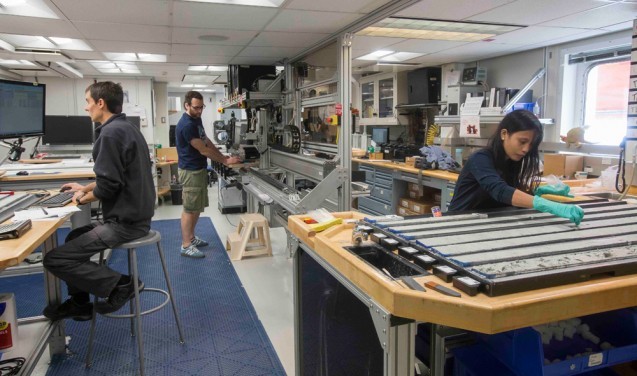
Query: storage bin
x: 522, y: 350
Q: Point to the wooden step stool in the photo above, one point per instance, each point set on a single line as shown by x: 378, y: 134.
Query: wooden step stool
x: 251, y: 239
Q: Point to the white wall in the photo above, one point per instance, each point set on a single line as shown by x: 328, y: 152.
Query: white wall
x: 209, y: 115
x: 162, y: 125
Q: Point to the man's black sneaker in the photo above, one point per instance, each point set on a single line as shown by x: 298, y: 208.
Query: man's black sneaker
x: 70, y: 309
x: 119, y: 296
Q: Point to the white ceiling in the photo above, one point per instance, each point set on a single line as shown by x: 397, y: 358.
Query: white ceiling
x: 260, y: 35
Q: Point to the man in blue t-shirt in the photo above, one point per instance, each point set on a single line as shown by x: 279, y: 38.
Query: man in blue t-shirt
x: 193, y: 149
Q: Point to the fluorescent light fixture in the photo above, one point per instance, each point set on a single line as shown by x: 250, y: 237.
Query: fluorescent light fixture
x: 400, y: 56
x: 16, y: 63
x: 70, y: 44
x: 114, y: 67
x: 412, y: 28
x: 70, y: 69
x: 258, y: 3
x: 199, y: 78
x: 28, y: 41
x: 132, y: 56
x: 6, y: 46
x: 396, y: 64
x: 208, y: 68
x: 376, y: 55
x: 26, y: 8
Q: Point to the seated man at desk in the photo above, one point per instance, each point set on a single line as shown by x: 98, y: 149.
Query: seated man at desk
x: 124, y: 185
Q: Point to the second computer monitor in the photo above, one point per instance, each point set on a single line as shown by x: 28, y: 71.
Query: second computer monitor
x: 380, y: 135
x: 67, y: 130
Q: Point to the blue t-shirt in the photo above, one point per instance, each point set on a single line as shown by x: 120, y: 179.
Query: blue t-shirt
x: 481, y: 186
x: 187, y: 129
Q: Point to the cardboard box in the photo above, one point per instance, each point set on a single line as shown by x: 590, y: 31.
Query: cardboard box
x: 413, y: 187
x: 404, y: 202
x: 562, y: 164
x: 405, y: 212
x: 411, y: 161
x: 420, y: 206
x: 376, y: 155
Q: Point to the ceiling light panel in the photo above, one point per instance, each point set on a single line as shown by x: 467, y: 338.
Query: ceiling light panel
x: 410, y: 28
x: 27, y: 8
x: 70, y: 44
x: 401, y: 56
x: 115, y: 67
x: 208, y: 68
x: 199, y: 78
x: 16, y: 63
x: 258, y: 3
x: 27, y: 41
x: 376, y: 55
x: 132, y: 56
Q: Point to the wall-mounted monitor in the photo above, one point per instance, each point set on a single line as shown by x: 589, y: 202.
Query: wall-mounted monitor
x: 380, y: 135
x: 21, y: 109
x: 68, y: 130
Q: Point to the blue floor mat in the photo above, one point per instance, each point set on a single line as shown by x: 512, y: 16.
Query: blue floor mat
x: 222, y: 331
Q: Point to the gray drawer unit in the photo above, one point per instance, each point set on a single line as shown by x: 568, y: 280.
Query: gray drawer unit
x: 374, y: 206
x: 382, y: 193
x: 446, y: 195
x: 369, y: 173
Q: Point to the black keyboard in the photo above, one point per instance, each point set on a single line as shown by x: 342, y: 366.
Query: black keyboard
x: 15, y: 229
x: 62, y: 156
x: 57, y: 200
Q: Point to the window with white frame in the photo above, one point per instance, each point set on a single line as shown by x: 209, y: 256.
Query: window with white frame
x: 602, y: 94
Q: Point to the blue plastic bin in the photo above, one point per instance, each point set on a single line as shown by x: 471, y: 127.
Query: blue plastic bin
x: 522, y: 350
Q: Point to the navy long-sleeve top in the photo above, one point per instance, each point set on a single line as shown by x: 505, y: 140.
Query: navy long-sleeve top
x: 481, y: 185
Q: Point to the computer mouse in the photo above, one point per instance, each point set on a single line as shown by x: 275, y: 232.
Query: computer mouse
x: 22, y: 173
x: 64, y: 189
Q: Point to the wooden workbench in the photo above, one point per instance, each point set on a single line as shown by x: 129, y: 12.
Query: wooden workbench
x: 478, y: 313
x: 400, y: 166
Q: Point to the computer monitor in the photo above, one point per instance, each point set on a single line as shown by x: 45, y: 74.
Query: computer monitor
x: 380, y: 135
x: 21, y: 109
x: 68, y: 130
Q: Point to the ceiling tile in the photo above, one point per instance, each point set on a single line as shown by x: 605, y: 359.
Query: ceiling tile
x: 597, y: 18
x: 85, y: 55
x: 535, y: 35
x: 139, y: 12
x: 282, y: 39
x: 424, y: 46
x: 350, y: 6
x: 207, y: 50
x: 367, y: 43
x: 233, y: 17
x: 40, y: 26
x: 253, y: 60
x: 147, y: 48
x: 450, y: 9
x: 190, y: 35
x: 620, y: 26
x: 531, y: 12
x: 299, y: 21
x: 124, y: 32
x: 270, y: 52
x: 197, y: 59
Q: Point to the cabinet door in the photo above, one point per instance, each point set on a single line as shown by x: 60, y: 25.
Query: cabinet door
x: 386, y: 98
x: 367, y: 94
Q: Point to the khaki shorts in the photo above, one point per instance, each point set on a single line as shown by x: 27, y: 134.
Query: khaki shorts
x: 195, y: 193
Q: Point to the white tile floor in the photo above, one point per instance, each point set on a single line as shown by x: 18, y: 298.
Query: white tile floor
x: 267, y: 280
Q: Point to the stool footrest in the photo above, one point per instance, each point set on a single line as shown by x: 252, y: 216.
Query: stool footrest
x: 154, y: 309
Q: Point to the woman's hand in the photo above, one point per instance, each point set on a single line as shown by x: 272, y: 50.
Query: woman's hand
x: 571, y: 212
x: 560, y: 190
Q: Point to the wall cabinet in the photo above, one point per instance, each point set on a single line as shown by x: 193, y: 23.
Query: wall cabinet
x: 379, y: 95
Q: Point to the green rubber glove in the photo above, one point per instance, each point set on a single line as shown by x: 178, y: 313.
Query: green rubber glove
x: 559, y: 190
x: 571, y: 212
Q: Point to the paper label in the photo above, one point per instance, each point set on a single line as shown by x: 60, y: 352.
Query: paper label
x: 470, y: 126
x: 595, y: 359
x: 468, y: 281
x: 446, y: 269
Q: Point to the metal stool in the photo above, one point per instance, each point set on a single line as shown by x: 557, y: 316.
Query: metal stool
x: 135, y: 315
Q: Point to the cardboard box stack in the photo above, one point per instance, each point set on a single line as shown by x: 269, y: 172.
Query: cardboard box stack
x: 562, y: 165
x: 416, y: 203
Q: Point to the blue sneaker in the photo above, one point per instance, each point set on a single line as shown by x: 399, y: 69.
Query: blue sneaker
x: 192, y: 251
x: 198, y: 242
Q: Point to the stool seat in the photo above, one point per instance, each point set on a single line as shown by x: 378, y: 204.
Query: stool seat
x: 152, y: 237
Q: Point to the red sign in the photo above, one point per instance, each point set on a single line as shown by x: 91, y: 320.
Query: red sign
x: 339, y: 109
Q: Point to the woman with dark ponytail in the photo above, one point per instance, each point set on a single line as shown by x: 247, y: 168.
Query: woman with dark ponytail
x: 507, y: 171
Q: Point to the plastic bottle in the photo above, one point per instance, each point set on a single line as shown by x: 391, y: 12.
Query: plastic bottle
x: 536, y: 110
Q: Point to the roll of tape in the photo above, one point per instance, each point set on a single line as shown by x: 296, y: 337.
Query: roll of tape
x: 8, y: 323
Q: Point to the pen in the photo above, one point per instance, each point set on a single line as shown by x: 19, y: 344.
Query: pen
x: 45, y: 212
